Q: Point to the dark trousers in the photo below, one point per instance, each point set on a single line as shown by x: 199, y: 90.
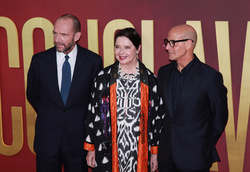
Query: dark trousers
x: 172, y: 168
x: 63, y: 159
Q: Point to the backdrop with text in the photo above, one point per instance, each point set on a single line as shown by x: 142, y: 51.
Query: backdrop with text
x: 223, y: 29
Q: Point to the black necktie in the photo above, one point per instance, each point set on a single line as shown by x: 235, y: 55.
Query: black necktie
x: 66, y: 79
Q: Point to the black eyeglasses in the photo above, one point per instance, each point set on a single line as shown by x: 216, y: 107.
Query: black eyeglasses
x: 172, y: 42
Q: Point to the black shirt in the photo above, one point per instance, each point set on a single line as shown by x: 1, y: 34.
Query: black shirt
x: 178, y: 82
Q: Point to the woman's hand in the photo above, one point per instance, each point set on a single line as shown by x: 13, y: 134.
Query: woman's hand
x: 153, y: 162
x: 91, y: 159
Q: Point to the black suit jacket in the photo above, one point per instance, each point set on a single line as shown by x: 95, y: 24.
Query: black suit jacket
x: 199, y: 119
x: 53, y: 117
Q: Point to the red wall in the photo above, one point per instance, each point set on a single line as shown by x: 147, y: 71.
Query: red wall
x: 164, y: 14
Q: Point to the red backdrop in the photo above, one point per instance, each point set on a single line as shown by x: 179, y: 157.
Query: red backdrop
x: 164, y: 14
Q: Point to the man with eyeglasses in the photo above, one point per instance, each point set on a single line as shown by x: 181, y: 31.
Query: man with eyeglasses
x: 197, y: 102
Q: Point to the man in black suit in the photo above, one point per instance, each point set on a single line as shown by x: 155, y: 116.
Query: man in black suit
x: 197, y: 102
x: 58, y: 88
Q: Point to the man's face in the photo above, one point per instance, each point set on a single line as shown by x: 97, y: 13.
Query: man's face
x: 64, y: 35
x: 179, y: 50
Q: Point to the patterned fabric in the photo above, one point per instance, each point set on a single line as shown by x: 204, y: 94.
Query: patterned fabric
x: 128, y: 119
x: 104, y: 120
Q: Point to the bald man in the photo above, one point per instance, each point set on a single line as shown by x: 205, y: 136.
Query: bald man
x: 197, y: 102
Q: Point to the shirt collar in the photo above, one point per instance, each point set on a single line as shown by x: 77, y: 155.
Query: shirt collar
x: 189, y: 65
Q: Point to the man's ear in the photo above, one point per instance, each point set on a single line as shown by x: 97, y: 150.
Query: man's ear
x: 189, y: 44
x: 77, y: 36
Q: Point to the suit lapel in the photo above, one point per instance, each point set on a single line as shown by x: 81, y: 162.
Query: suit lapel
x: 168, y: 84
x: 77, y: 76
x: 54, y: 78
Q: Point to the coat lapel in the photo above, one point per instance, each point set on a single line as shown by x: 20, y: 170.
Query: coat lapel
x: 168, y: 84
x: 77, y: 76
x: 52, y: 70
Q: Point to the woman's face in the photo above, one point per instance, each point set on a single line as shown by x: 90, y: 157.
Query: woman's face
x: 125, y: 51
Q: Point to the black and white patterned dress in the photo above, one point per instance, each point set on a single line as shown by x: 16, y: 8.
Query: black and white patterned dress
x: 128, y: 119
x: 124, y: 155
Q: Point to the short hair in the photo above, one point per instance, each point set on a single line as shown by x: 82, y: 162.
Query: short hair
x: 76, y: 22
x: 131, y: 34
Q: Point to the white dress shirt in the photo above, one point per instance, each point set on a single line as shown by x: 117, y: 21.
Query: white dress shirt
x: 60, y: 58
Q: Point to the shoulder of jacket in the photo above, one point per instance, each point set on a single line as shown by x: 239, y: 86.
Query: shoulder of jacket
x: 89, y: 52
x: 45, y: 54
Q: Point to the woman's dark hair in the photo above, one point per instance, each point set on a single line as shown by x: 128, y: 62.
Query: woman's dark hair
x: 131, y: 34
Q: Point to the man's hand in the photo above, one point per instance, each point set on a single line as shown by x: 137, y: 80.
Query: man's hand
x: 153, y: 162
x: 91, y: 159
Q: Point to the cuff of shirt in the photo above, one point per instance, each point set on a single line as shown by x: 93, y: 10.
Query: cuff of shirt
x: 154, y: 149
x: 89, y: 147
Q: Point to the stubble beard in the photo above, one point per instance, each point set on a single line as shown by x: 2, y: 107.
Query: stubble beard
x: 66, y: 47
